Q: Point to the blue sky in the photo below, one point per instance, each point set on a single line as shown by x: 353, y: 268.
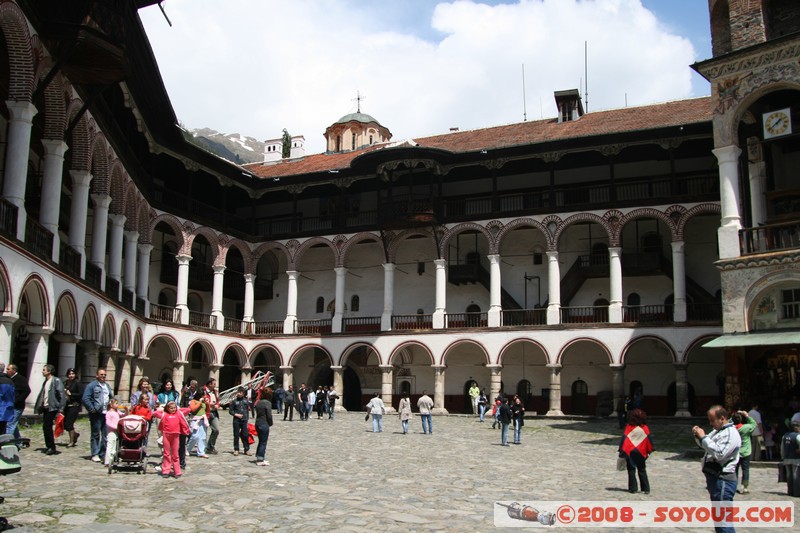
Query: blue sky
x: 258, y: 66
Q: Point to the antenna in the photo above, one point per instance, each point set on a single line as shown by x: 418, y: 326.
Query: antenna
x: 586, y: 75
x: 524, y: 105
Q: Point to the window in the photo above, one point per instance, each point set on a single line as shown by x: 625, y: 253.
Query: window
x: 320, y: 305
x: 354, y: 303
x: 790, y: 303
x: 354, y: 141
x: 537, y: 258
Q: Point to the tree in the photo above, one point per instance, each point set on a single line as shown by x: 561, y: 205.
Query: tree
x: 286, y: 143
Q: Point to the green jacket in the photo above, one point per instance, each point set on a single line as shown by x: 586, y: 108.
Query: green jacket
x: 745, y: 430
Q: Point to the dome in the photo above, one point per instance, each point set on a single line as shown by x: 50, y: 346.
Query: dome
x: 358, y: 117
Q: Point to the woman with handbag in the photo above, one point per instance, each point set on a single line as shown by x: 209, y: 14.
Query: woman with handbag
x: 73, y: 391
x: 635, y: 447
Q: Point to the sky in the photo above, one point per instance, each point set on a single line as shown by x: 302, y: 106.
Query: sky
x: 421, y: 67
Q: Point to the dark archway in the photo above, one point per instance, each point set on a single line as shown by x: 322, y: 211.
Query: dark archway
x: 672, y: 399
x: 580, y: 396
x: 352, y: 390
x: 229, y: 375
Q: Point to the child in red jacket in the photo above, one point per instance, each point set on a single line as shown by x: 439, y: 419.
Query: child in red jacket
x: 173, y: 424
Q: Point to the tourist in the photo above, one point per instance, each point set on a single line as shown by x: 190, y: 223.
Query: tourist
x: 72, y: 389
x: 377, y: 409
x: 186, y: 396
x: 425, y: 405
x: 288, y: 408
x: 757, y: 437
x: 504, y: 419
x: 474, y: 393
x: 144, y: 387
x: 143, y: 409
x: 321, y: 402
x: 167, y: 393
x: 745, y: 425
x: 173, y: 424
x: 112, y: 435
x: 332, y: 397
x: 312, y: 402
x: 211, y: 396
x: 790, y: 457
x: 21, y: 392
x: 239, y: 410
x: 635, y: 447
x: 278, y: 395
x: 721, y: 447
x: 496, y: 412
x: 198, y: 425
x: 95, y: 398
x: 49, y: 403
x: 404, y: 412
x: 263, y: 423
x: 518, y: 416
x: 302, y: 402
x: 6, y: 399
x: 482, y: 404
x: 769, y: 441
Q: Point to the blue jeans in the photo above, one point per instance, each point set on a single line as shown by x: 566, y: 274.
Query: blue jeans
x: 279, y: 405
x: 405, y: 425
x: 263, y: 435
x: 504, y: 434
x: 198, y: 437
x: 426, y: 419
x: 12, y: 428
x: 377, y: 423
x: 517, y: 431
x: 97, y: 421
x: 721, y: 490
x: 481, y: 410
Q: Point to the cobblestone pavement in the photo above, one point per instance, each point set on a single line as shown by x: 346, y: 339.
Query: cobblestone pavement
x: 336, y: 475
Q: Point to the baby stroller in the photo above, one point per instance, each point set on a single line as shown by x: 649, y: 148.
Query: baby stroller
x: 9, y: 463
x: 131, y: 452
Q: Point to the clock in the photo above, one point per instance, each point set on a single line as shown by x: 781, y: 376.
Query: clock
x: 777, y: 123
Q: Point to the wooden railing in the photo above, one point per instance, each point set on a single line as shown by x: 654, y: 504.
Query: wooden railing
x: 8, y: 218
x: 165, y: 313
x: 646, y: 313
x: 704, y: 312
x: 361, y: 323
x: 94, y: 275
x: 268, y: 327
x: 140, y: 306
x: 524, y: 317
x: 202, y: 320
x: 127, y: 299
x: 38, y: 239
x: 590, y: 314
x: 411, y: 322
x: 772, y: 238
x: 314, y: 327
x: 70, y: 260
x: 233, y: 325
x: 112, y: 288
x: 467, y: 320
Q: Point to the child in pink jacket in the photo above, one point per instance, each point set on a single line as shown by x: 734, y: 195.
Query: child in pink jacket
x: 173, y: 424
x: 112, y: 421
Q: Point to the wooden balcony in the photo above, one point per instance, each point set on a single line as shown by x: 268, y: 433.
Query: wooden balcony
x: 361, y: 323
x: 770, y: 238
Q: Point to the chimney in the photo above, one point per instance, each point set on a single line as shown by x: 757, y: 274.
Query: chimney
x: 272, y: 150
x: 569, y: 105
x: 298, y: 148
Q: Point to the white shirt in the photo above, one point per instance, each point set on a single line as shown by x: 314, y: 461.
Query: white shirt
x: 755, y: 415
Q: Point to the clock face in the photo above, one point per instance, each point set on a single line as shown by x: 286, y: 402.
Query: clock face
x: 777, y: 123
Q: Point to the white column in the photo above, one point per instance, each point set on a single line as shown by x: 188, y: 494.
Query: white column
x: 109, y: 356
x: 129, y: 271
x: 495, y: 381
x: 66, y: 352
x: 291, y: 302
x: 115, y: 239
x: 758, y: 202
x: 495, y: 290
x: 178, y: 372
x: 216, y: 296
x: 99, y: 232
x: 387, y: 373
x: 438, y: 391
x: 617, y: 385
x: 679, y: 281
x: 681, y: 390
x: 728, y: 232
x: 338, y: 302
x: 287, y: 379
x: 388, y: 297
x: 554, y: 289
x: 555, y: 391
x: 615, y: 285
x: 18, y: 145
x: 91, y: 361
x: 6, y: 334
x: 440, y: 313
x: 249, y: 294
x: 183, y: 287
x: 37, y: 352
x: 143, y: 274
x: 50, y: 205
x: 338, y: 386
x: 213, y: 372
x: 79, y: 207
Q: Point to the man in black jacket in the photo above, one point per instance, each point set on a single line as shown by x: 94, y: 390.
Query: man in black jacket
x: 21, y: 392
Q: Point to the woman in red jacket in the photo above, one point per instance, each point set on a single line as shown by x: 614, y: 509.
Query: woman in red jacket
x: 636, y: 447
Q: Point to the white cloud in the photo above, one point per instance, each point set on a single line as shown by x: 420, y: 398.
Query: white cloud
x: 256, y: 66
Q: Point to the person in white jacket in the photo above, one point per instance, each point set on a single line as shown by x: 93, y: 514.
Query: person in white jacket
x: 377, y: 409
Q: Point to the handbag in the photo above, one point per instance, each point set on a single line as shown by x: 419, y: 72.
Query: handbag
x: 59, y: 429
x: 781, y: 473
x: 622, y: 464
x: 712, y: 468
x: 366, y: 417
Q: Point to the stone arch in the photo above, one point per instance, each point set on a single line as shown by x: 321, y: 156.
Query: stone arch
x: 66, y: 319
x: 250, y: 357
x: 244, y: 249
x: 505, y: 349
x: 108, y: 334
x: 169, y: 341
x: 210, y: 235
x: 55, y: 110
x: 37, y: 311
x: 256, y: 254
x: 461, y: 342
x: 572, y: 342
x: 132, y: 210
x: 519, y: 223
x: 398, y: 352
x: 355, y: 239
x: 209, y: 353
x: 6, y: 296
x: 401, y: 237
x: 758, y: 302
x: 348, y: 351
x: 700, y: 209
x: 116, y: 188
x: 99, y: 164
x: 749, y: 89
x: 143, y: 221
x: 647, y: 212
x: 461, y: 228
x: 241, y: 354
x: 124, y: 343
x: 138, y: 341
x: 79, y: 141
x: 312, y: 242
x: 90, y: 326
x: 14, y: 26
x: 298, y: 352
x: 582, y: 217
x: 170, y: 221
x: 654, y: 338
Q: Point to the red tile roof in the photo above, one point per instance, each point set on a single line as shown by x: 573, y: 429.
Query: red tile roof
x: 625, y: 120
